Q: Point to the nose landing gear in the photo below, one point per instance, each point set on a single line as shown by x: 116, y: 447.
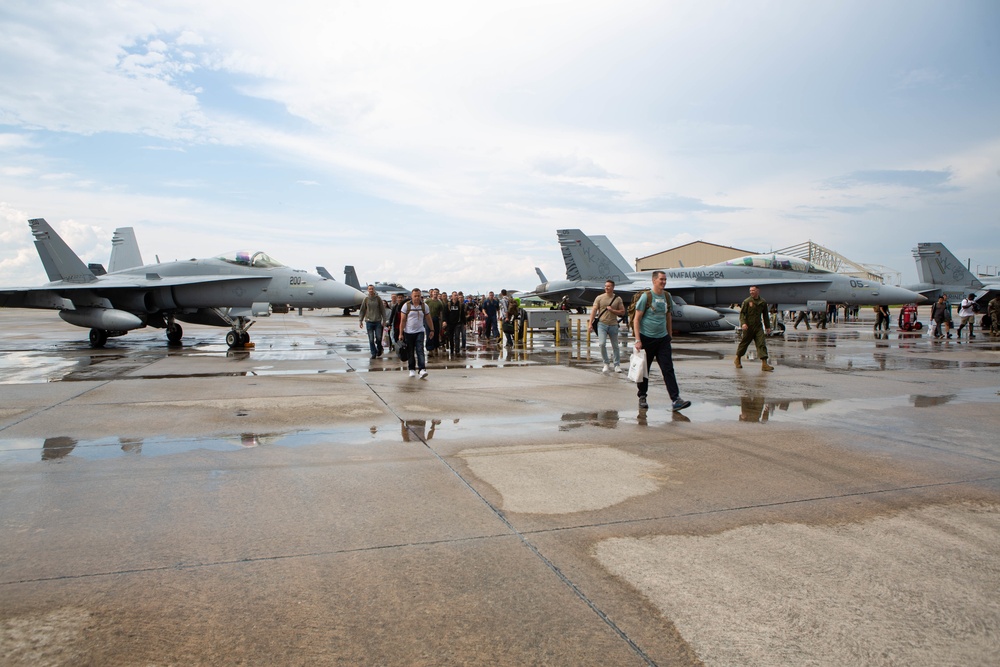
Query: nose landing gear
x: 239, y: 337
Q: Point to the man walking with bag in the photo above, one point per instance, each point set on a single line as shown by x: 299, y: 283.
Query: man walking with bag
x: 653, y: 323
x: 607, y: 308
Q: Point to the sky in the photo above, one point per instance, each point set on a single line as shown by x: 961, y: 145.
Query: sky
x: 442, y: 144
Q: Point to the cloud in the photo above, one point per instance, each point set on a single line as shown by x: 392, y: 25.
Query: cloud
x: 570, y: 166
x: 919, y: 78
x: 923, y: 180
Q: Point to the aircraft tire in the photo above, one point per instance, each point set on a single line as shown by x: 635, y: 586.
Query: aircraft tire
x: 174, y: 333
x: 98, y: 337
x: 232, y: 339
x: 244, y: 337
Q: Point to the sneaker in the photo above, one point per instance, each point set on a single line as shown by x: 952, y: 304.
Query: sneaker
x: 618, y: 368
x: 423, y: 373
x: 606, y: 368
x: 413, y: 374
x: 680, y: 404
x: 642, y: 403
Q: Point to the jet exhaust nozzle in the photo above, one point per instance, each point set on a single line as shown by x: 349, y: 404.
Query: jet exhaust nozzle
x: 108, y: 319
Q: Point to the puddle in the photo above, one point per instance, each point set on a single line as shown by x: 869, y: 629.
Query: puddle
x: 761, y: 409
x: 750, y: 408
x: 56, y: 448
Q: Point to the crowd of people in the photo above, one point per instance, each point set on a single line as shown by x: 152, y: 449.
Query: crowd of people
x: 419, y: 327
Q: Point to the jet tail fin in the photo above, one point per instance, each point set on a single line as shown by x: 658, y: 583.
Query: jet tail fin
x: 323, y: 273
x: 541, y: 276
x: 60, y: 262
x: 124, y: 250
x: 585, y: 261
x: 937, y: 266
x: 351, y: 278
x: 609, y: 249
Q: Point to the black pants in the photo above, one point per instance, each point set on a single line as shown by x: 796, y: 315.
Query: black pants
x: 455, y: 332
x: 659, y: 349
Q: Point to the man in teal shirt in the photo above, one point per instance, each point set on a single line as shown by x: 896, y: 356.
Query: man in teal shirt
x: 653, y: 323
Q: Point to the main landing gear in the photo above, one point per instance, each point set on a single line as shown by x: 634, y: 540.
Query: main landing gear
x: 98, y: 337
x: 174, y: 333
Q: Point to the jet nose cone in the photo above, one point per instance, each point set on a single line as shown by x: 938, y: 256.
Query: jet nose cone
x: 899, y: 295
x: 331, y: 294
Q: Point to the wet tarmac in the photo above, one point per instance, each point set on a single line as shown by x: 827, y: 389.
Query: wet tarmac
x: 301, y: 503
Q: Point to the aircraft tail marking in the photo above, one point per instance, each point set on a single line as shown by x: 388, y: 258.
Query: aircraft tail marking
x: 937, y: 266
x: 124, y: 250
x: 60, y: 262
x: 351, y: 278
x: 585, y: 261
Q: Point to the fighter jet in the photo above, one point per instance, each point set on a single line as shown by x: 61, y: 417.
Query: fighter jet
x: 227, y: 290
x: 383, y: 289
x: 940, y: 272
x: 791, y: 283
x: 581, y: 294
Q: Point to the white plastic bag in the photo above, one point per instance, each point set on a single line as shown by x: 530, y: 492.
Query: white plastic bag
x: 637, y: 366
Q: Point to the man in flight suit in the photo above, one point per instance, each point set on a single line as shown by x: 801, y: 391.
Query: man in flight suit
x: 756, y: 323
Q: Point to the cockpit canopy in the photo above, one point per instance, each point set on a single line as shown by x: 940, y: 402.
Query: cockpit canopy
x: 780, y: 262
x: 258, y: 260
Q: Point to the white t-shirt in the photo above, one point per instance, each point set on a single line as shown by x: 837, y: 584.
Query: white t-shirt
x: 966, y: 309
x: 414, y: 317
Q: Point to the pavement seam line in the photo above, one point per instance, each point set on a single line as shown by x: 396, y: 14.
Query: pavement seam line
x: 250, y: 559
x: 742, y: 508
x: 55, y: 405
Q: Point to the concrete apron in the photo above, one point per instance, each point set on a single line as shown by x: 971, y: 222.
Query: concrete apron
x: 304, y: 504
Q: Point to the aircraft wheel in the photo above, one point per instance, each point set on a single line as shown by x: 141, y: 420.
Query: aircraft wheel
x: 98, y: 337
x: 232, y: 339
x: 244, y: 337
x: 174, y: 333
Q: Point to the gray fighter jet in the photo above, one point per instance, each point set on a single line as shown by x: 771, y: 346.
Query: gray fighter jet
x: 940, y: 272
x: 790, y: 283
x: 383, y: 289
x: 686, y: 317
x: 226, y: 291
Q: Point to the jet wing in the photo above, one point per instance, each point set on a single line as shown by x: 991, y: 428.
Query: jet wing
x: 59, y: 295
x: 150, y: 280
x: 32, y: 297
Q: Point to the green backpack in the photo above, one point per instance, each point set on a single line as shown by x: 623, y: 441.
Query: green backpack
x: 635, y: 300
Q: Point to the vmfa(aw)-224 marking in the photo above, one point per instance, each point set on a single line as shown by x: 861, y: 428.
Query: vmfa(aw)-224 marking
x: 790, y: 283
x: 226, y: 291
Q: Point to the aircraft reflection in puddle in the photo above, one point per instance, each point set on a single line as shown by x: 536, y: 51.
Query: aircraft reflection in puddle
x: 759, y: 409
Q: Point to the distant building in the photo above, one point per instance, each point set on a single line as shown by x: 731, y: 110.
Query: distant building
x: 698, y: 253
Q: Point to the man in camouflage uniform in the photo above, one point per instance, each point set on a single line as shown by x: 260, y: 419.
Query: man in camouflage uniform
x: 994, y: 310
x: 756, y: 324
